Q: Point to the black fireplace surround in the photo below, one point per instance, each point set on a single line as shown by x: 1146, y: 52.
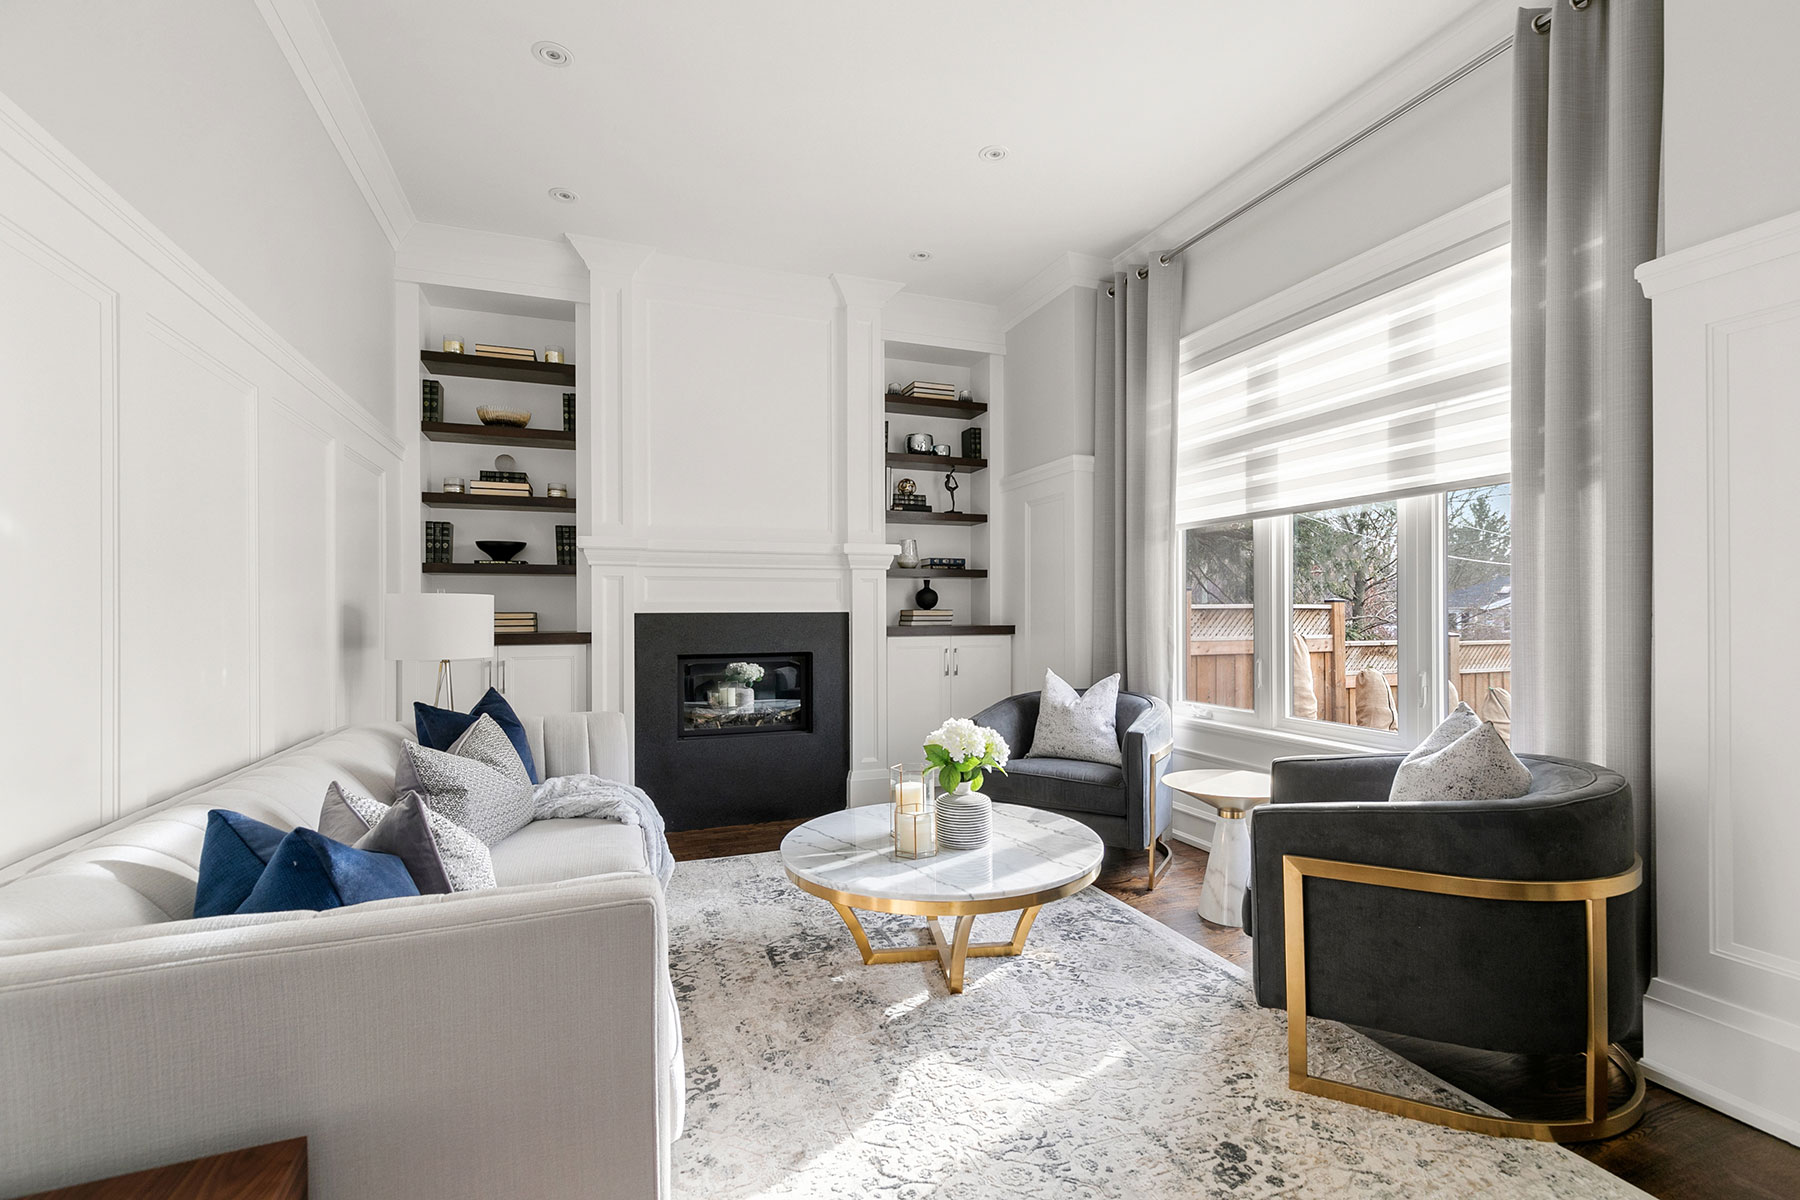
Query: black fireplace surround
x: 707, y: 752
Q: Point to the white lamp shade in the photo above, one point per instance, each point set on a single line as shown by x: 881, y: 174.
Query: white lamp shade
x: 433, y: 626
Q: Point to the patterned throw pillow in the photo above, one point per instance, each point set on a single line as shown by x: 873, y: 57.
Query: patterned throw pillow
x: 447, y: 850
x: 1080, y: 727
x: 487, y: 802
x: 1475, y: 765
x: 486, y: 742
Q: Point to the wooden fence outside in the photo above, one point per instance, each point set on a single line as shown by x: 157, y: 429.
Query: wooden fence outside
x: 1222, y: 656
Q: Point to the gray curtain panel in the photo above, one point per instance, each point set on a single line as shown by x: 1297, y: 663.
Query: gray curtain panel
x: 1587, y: 128
x: 1137, y: 337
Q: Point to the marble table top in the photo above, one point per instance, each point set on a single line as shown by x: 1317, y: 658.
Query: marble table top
x: 1031, y: 851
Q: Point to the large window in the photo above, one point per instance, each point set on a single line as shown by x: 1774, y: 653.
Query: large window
x: 1341, y: 491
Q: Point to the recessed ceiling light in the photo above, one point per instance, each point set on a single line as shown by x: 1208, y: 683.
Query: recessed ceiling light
x: 991, y: 153
x: 564, y: 195
x: 553, y: 53
x: 920, y: 256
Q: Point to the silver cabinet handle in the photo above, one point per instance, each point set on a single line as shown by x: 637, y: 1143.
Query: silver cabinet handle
x: 946, y: 662
x: 956, y: 658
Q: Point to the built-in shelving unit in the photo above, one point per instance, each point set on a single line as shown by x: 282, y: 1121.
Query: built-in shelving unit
x: 558, y: 637
x: 948, y: 630
x: 901, y: 516
x: 936, y: 573
x: 507, y: 370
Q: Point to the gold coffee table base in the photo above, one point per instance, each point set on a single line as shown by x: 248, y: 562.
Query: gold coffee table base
x: 952, y: 951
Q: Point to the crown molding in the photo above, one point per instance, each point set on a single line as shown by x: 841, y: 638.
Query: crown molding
x: 610, y: 261
x: 1479, y: 26
x: 1749, y: 247
x: 859, y: 291
x: 493, y: 262
x: 306, y: 43
x: 1068, y: 269
x: 938, y: 321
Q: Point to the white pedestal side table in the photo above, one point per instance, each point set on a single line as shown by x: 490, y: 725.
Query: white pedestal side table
x: 1233, y: 793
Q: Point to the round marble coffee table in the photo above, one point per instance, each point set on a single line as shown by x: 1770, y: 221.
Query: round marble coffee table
x: 1033, y: 857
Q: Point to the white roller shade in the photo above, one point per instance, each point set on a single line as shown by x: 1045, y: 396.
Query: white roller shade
x: 1405, y: 393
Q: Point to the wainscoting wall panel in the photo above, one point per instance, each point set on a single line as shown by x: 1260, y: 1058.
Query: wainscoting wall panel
x: 192, y: 529
x: 1722, y: 1016
x: 1050, y: 515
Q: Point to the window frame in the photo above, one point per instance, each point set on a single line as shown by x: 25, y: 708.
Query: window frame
x: 1269, y: 729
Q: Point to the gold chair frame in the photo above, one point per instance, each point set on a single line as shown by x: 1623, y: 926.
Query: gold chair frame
x: 1596, y: 1121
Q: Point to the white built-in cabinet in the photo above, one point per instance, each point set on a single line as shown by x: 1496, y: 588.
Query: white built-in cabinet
x: 536, y: 680
x: 931, y: 678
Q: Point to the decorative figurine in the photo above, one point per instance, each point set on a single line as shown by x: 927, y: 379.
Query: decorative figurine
x: 950, y: 486
x: 926, y: 597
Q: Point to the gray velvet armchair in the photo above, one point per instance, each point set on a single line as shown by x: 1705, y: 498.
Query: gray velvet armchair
x: 1127, y: 806
x: 1504, y: 925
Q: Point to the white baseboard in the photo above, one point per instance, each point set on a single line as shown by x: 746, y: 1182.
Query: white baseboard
x: 1721, y: 1064
x: 866, y: 787
x: 1193, y: 826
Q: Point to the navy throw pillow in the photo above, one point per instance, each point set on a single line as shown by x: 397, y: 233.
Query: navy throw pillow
x: 310, y: 871
x: 438, y: 728
x: 232, y: 858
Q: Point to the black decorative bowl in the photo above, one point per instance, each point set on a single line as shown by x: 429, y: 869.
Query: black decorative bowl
x: 500, y: 551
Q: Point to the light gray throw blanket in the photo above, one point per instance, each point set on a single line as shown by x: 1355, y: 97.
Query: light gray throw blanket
x: 604, y: 800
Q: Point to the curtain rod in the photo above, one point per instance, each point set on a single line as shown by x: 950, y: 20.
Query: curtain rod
x: 1492, y: 52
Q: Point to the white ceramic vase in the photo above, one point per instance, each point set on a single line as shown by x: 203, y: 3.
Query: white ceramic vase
x: 965, y: 819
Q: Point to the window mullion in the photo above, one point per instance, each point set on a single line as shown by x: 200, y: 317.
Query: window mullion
x: 1274, y: 567
x: 1424, y: 659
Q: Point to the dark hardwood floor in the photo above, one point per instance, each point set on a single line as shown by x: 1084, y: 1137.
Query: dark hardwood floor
x: 1679, y: 1151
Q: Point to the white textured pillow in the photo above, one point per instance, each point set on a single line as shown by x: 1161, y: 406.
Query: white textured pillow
x: 1461, y: 720
x: 486, y: 742
x: 1478, y: 765
x: 483, y: 800
x: 1079, y: 727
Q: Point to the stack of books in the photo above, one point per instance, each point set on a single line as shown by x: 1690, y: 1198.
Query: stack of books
x: 927, y: 616
x: 920, y: 390
x: 504, y: 477
x: 568, y: 412
x: 498, y: 487
x: 565, y: 545
x: 514, y: 352
x: 515, y: 622
x: 432, y: 403
x: 439, y: 540
x: 972, y: 442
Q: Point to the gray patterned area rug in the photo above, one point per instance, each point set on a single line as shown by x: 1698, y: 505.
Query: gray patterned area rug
x: 1114, y: 1058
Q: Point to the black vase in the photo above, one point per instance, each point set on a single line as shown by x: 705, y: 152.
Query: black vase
x: 926, y: 598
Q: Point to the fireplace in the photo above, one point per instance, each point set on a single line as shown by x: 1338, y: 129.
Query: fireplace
x: 742, y: 717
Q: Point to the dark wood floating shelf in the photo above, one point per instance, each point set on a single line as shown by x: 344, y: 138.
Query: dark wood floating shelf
x: 947, y: 630
x: 551, y: 637
x: 475, y: 568
x: 970, y: 465
x: 482, y: 366
x: 955, y: 409
x: 498, y: 435
x: 510, y: 503
x: 900, y: 516
x: 937, y: 573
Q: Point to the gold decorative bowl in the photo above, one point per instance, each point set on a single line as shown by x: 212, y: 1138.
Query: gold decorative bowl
x: 503, y: 416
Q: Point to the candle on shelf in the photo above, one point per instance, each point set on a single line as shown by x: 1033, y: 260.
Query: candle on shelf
x: 453, y: 345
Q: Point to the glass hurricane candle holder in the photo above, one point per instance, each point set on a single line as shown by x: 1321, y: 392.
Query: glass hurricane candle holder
x: 453, y: 345
x: 553, y: 353
x: 452, y: 484
x: 914, y: 827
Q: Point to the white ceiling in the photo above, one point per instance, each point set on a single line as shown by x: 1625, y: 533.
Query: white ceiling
x: 841, y: 135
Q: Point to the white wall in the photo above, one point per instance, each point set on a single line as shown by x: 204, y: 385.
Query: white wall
x: 191, y: 113
x: 194, y: 532
x: 1050, y: 363
x: 1453, y: 149
x: 1730, y: 93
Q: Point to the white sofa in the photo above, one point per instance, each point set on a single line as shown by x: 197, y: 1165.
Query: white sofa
x: 515, y: 1042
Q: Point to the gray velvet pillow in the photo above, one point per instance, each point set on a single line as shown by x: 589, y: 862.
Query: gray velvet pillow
x: 1084, y: 727
x: 1477, y: 765
x: 487, y: 802
x: 438, y: 855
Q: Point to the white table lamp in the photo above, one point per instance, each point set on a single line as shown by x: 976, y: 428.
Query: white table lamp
x: 440, y: 627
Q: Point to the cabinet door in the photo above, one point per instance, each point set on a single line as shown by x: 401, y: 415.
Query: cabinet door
x: 980, y: 673
x: 918, y: 694
x: 541, y: 680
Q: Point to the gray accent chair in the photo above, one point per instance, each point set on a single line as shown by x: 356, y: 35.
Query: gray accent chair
x: 1406, y: 931
x: 1127, y: 806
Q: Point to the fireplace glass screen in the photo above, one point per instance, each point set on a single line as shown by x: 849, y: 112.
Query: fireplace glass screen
x: 745, y: 693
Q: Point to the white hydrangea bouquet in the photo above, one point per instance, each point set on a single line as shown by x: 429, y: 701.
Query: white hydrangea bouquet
x: 963, y: 751
x: 748, y: 674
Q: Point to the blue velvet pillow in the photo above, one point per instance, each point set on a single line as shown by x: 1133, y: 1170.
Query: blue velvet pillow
x: 439, y: 728
x: 310, y: 871
x: 232, y: 859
